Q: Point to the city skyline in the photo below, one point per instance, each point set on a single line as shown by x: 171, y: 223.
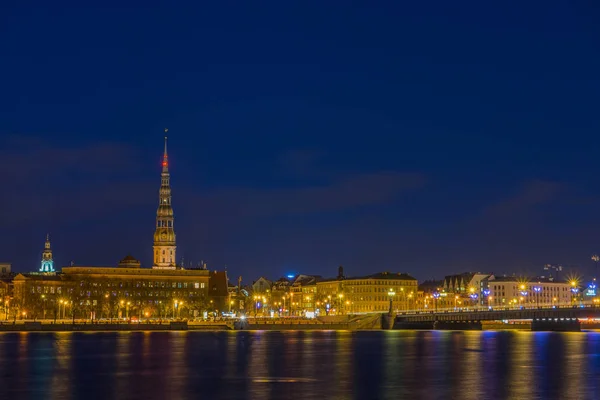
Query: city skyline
x: 164, y: 238
x: 416, y: 138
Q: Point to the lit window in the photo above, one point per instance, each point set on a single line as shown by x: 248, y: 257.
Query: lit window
x: 202, y: 285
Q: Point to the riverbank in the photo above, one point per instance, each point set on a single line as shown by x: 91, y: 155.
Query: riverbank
x: 172, y: 326
x: 86, y: 326
x: 364, y: 323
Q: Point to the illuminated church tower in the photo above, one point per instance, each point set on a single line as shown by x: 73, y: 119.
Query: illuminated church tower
x: 164, y: 236
x: 47, y: 262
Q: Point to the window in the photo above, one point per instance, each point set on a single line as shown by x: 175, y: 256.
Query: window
x: 202, y: 285
x: 197, y: 285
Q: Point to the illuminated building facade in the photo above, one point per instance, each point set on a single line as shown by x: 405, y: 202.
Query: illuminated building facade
x: 511, y: 291
x: 110, y: 292
x: 364, y: 294
x: 164, y: 234
x: 47, y: 264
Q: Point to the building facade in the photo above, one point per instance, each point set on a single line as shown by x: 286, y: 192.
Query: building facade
x: 512, y: 291
x: 366, y: 294
x: 113, y: 292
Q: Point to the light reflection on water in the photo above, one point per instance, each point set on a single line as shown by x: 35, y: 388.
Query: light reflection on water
x: 308, y: 365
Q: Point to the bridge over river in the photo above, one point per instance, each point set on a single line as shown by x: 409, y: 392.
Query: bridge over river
x: 564, y: 318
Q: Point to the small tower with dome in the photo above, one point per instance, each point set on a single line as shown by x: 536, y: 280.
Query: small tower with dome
x: 47, y: 261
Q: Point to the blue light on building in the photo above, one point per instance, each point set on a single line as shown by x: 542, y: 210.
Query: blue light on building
x: 47, y: 262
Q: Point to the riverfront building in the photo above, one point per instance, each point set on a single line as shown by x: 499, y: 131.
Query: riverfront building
x: 512, y: 291
x: 364, y: 294
x: 110, y: 292
x: 125, y: 290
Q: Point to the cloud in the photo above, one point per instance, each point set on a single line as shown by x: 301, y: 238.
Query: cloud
x: 250, y: 228
x: 46, y: 181
x: 301, y: 162
x: 346, y: 194
x: 532, y: 194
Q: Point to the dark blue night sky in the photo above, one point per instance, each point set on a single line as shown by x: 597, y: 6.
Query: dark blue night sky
x: 423, y: 137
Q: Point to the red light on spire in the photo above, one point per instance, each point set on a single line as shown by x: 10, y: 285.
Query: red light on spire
x: 164, y: 163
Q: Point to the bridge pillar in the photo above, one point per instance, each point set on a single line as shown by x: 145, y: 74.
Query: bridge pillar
x: 457, y: 325
x: 556, y: 324
x: 387, y: 321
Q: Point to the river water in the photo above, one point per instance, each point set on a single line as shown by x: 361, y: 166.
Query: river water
x: 300, y: 365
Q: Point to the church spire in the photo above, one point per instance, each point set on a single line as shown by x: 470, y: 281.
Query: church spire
x: 165, y: 162
x: 164, y: 235
x: 47, y: 264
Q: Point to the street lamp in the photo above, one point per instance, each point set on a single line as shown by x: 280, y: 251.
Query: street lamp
x: 474, y: 297
x: 523, y: 293
x: 44, y: 305
x: 109, y: 307
x: 537, y: 291
x: 592, y: 288
x: 486, y: 294
x: 403, y: 294
x: 264, y: 299
x: 284, y: 297
x: 436, y: 296
x: 574, y: 290
x: 391, y: 295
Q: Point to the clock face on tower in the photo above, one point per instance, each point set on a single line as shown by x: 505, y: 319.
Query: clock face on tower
x: 163, y: 236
